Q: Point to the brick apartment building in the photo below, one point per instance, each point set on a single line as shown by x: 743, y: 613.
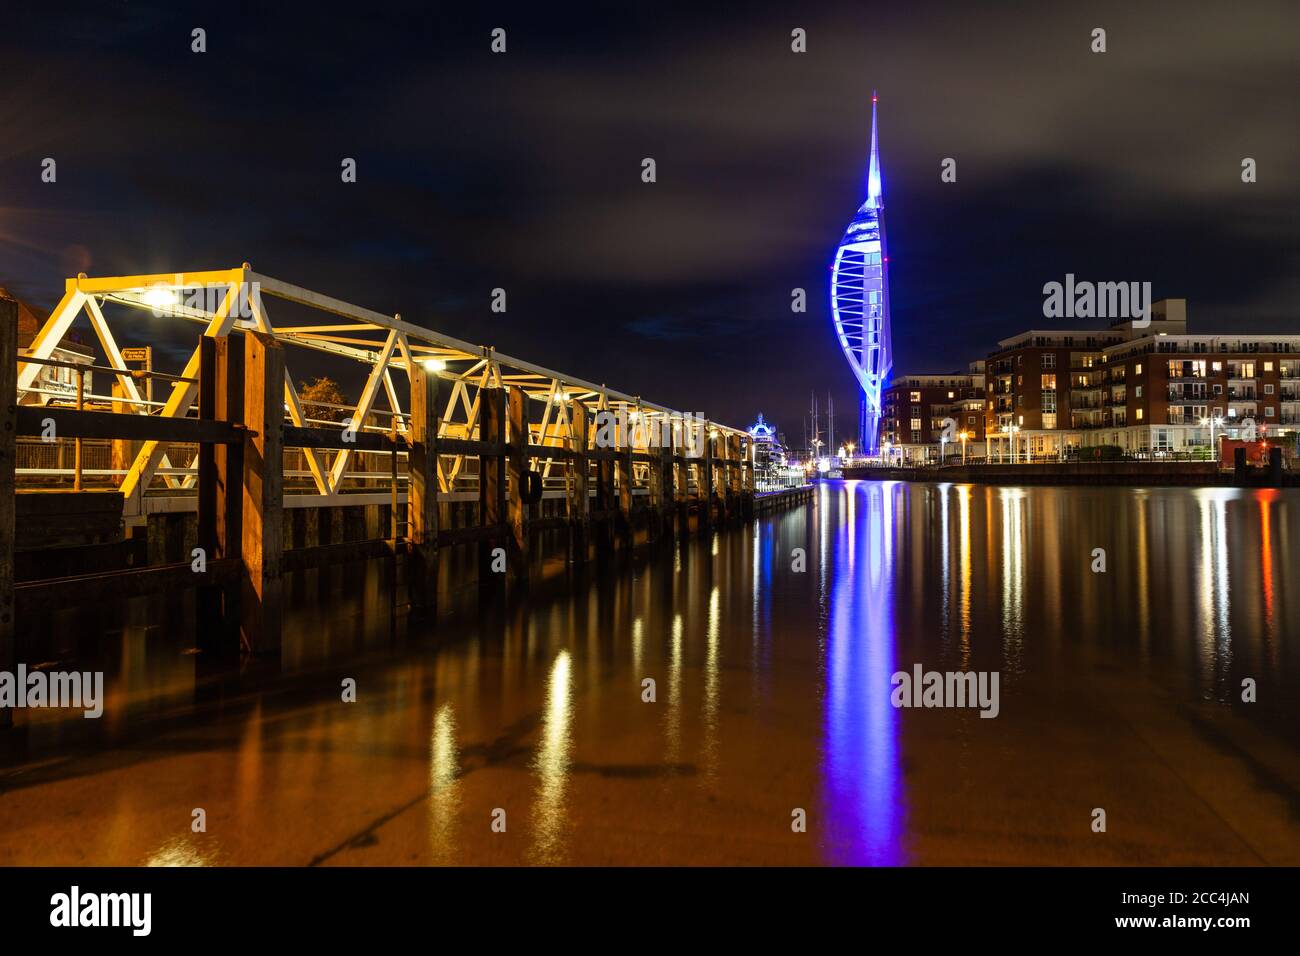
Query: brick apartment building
x: 914, y: 408
x: 1145, y: 389
x: 1149, y: 389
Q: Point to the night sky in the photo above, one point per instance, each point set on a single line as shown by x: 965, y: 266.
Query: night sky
x: 522, y: 170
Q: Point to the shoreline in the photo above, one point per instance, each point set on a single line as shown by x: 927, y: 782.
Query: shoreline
x: 1121, y: 473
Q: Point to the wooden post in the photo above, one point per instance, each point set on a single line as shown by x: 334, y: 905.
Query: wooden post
x: 491, y: 480
x: 8, y: 506
x: 706, y: 477
x: 392, y: 484
x: 207, y: 599
x: 747, y: 477
x: 422, y: 489
x: 735, y: 476
x: 81, y: 407
x: 228, y: 517
x: 681, y: 481
x: 579, y: 504
x: 660, y: 478
x: 263, y: 498
x: 221, y: 489
x: 605, y: 501
x: 624, y: 467
x: 516, y: 462
x: 724, y: 477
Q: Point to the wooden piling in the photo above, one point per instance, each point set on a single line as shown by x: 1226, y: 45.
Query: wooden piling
x: 516, y: 462
x: 422, y: 513
x: 735, y: 477
x: 491, y: 481
x: 578, y: 501
x: 623, y: 464
x: 605, y: 495
x: 661, y: 479
x: 263, y: 493
x: 705, y: 485
x: 681, y: 483
x: 220, y: 490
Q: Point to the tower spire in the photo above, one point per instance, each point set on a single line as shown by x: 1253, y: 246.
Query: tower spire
x: 873, y: 172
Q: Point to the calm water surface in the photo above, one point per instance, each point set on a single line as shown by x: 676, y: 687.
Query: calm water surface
x: 1118, y: 690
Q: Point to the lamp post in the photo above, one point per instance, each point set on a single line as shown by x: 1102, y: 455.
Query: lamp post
x: 964, y: 436
x: 943, y: 447
x: 1011, y: 430
x: 1212, y: 422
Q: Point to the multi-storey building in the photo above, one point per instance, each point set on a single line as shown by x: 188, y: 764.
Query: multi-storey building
x: 1146, y: 389
x: 1164, y: 392
x: 1046, y: 389
x: 915, y: 407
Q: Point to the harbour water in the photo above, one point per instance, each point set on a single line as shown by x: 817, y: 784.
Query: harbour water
x: 519, y: 731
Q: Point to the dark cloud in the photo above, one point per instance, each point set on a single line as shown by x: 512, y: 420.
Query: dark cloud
x: 523, y: 171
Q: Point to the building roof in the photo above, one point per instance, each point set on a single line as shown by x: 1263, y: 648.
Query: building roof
x: 30, y: 320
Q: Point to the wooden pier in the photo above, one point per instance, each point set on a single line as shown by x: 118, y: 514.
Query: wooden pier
x: 485, y: 450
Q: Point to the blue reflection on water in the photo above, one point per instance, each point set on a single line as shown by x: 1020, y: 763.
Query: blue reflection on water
x: 861, y: 777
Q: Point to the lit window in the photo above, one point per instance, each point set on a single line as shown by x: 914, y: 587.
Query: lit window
x: 916, y: 396
x: 1138, y: 414
x: 1268, y: 366
x: 1138, y: 369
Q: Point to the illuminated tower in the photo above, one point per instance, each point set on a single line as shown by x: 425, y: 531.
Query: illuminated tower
x: 860, y: 297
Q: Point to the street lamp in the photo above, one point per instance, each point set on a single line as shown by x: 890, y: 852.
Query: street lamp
x: 964, y: 436
x: 1212, y: 422
x: 1011, y: 430
x: 943, y: 447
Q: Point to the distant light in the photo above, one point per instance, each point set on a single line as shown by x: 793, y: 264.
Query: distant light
x: 434, y: 365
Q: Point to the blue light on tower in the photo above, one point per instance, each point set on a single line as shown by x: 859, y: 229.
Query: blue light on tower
x: 860, y: 297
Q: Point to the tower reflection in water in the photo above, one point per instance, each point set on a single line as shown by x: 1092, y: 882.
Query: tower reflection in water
x: 861, y: 778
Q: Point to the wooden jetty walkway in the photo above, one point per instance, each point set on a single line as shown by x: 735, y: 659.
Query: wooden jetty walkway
x: 228, y: 483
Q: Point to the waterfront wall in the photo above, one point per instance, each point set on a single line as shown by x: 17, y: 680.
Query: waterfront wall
x: 1125, y: 473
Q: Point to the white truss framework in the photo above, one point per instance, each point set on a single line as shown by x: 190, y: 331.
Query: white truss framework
x: 386, y: 343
